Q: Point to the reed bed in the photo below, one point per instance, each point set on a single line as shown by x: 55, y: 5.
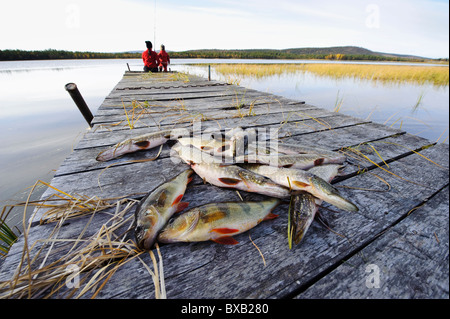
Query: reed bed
x: 417, y: 74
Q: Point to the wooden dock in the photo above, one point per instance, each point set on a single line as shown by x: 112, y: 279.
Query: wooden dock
x: 395, y: 246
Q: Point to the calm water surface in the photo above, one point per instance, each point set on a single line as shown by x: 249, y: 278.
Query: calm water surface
x: 40, y: 124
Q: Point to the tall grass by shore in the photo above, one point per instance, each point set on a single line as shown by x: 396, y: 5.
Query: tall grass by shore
x: 417, y: 74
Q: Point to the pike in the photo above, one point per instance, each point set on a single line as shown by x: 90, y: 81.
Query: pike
x: 306, y: 206
x: 191, y: 154
x: 231, y: 176
x: 300, y: 161
x: 130, y: 145
x: 293, y: 149
x: 156, y: 208
x: 300, y: 180
x: 210, y: 146
x: 217, y: 222
x: 302, y: 214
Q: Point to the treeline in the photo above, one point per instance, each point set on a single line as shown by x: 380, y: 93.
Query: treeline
x: 342, y: 53
x: 10, y: 55
x: 279, y: 54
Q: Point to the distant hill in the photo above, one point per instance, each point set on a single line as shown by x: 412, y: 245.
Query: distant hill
x: 349, y: 50
x: 329, y: 53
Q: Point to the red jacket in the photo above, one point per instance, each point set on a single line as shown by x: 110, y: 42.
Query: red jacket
x: 150, y: 59
x: 163, y: 57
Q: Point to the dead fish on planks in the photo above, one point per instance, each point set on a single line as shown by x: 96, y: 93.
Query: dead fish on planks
x: 157, y: 207
x: 231, y: 176
x: 305, y: 206
x: 217, y: 222
x: 191, y: 154
x: 142, y: 142
x: 210, y: 146
x: 299, y: 161
x: 301, y: 180
x: 293, y: 149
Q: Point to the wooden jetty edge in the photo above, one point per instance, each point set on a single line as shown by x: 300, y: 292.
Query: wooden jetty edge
x: 395, y: 246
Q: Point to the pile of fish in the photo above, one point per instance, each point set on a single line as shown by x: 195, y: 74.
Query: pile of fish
x: 242, y: 160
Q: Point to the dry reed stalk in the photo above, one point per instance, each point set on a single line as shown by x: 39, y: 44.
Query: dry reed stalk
x: 436, y: 75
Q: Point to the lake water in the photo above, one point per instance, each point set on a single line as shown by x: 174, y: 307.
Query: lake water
x: 40, y: 123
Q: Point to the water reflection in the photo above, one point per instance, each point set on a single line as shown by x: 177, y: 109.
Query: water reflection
x: 418, y: 109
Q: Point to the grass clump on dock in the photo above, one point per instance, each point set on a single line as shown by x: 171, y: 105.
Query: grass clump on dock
x: 7, y: 237
x: 417, y: 74
x: 53, y: 266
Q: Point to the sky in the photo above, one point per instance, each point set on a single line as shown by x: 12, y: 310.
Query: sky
x: 416, y: 27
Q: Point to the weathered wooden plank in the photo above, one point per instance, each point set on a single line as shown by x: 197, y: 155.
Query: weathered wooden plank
x: 145, y: 88
x: 411, y: 256
x: 174, y: 90
x: 125, y: 85
x: 194, y: 101
x: 169, y: 97
x: 180, y: 116
x: 409, y: 260
x: 114, y: 107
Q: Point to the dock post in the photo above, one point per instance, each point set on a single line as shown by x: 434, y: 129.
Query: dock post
x: 128, y: 67
x: 209, y: 72
x: 79, y: 101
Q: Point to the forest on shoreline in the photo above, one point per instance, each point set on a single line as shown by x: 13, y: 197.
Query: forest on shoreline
x: 333, y: 53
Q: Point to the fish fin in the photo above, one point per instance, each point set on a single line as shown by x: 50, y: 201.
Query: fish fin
x: 229, y: 181
x: 142, y: 144
x: 177, y: 200
x: 319, y: 161
x: 270, y: 216
x: 244, y: 180
x: 225, y: 230
x: 300, y: 184
x: 227, y: 240
x: 182, y: 206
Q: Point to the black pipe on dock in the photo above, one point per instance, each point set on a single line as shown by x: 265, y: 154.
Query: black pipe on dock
x: 79, y: 101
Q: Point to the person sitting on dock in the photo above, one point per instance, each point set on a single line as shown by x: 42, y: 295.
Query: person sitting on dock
x: 150, y: 58
x: 164, y: 59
